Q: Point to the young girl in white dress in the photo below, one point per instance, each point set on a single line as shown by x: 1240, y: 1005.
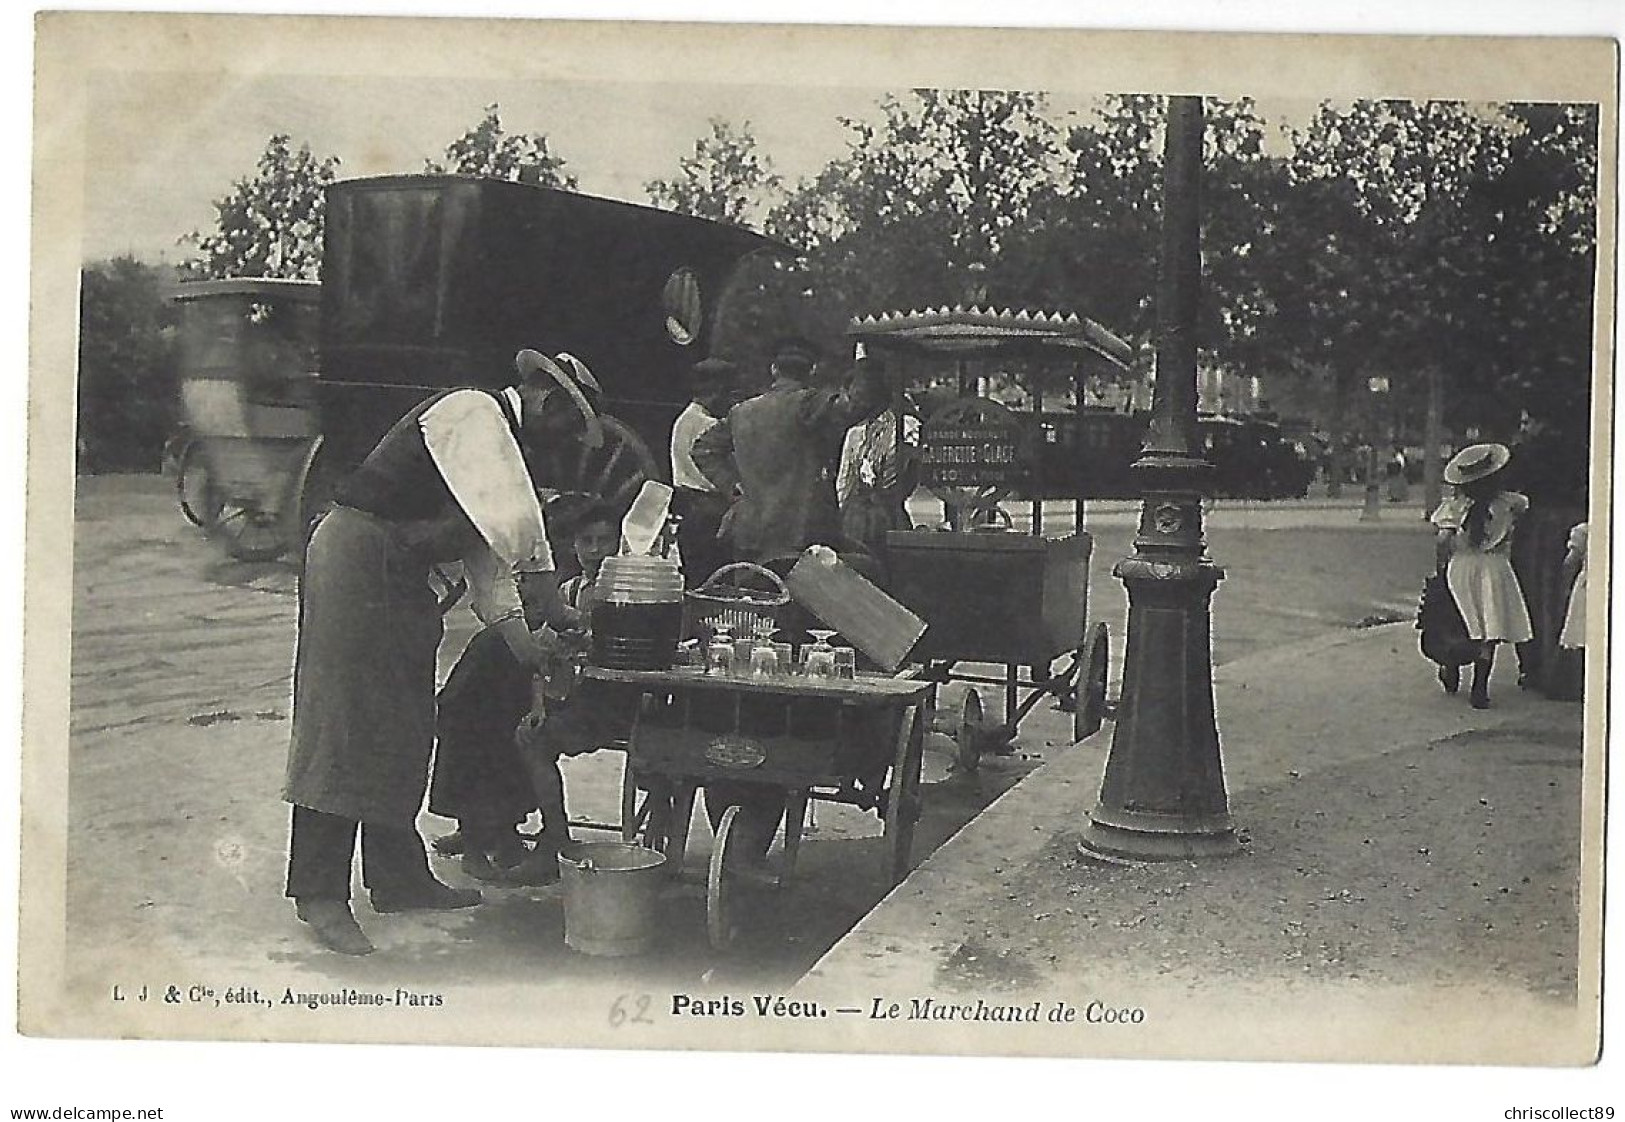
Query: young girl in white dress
x: 1475, y: 546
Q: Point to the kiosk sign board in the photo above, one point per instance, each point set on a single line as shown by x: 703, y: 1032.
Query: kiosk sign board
x: 975, y: 444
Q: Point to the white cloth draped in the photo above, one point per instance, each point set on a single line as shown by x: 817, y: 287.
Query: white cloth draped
x: 474, y: 449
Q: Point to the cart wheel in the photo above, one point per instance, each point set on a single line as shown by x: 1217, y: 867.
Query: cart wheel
x: 903, y: 795
x: 1090, y: 710
x: 719, y: 884
x: 971, y: 734
x: 310, y: 495
x: 613, y: 472
x: 249, y: 533
x: 194, y: 487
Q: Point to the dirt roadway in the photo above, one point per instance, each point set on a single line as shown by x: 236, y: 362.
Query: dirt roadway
x: 178, y: 732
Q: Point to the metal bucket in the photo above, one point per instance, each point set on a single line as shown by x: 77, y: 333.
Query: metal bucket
x: 610, y: 893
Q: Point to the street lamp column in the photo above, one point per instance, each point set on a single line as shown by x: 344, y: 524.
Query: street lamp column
x: 1163, y: 795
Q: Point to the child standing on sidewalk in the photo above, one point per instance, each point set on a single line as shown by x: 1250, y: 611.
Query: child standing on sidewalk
x: 1474, y: 548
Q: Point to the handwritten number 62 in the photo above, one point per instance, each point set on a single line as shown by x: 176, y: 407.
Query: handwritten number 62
x: 630, y: 1009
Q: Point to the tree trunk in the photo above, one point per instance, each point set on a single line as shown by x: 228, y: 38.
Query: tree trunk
x: 1336, y: 429
x: 1432, y: 461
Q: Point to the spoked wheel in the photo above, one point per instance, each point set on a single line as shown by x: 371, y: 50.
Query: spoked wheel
x: 720, y: 883
x: 611, y: 473
x: 310, y: 495
x: 903, y: 799
x: 1090, y: 710
x: 195, y: 489
x: 249, y: 532
x: 971, y: 734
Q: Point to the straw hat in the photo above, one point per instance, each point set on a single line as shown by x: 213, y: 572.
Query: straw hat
x: 1475, y: 462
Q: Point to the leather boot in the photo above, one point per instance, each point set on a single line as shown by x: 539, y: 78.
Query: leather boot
x: 1450, y: 678
x: 334, y: 925
x: 539, y: 867
x: 1481, y: 684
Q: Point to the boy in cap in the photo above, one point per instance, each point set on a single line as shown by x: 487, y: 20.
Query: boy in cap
x: 697, y: 500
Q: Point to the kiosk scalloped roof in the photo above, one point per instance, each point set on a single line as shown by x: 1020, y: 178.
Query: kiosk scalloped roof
x: 961, y: 329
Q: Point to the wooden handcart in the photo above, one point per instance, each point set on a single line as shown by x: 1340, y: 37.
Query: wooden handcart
x: 857, y: 742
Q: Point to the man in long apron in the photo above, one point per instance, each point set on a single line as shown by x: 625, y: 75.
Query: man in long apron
x: 447, y: 483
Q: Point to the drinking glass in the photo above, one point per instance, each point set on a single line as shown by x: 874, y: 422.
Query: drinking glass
x: 819, y: 659
x: 764, y: 660
x: 719, y: 656
x: 846, y: 663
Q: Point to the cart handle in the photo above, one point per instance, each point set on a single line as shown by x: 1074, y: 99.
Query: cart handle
x: 715, y: 579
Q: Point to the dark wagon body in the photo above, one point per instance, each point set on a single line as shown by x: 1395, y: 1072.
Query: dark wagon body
x: 430, y: 282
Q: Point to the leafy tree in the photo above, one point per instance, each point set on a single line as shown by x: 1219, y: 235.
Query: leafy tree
x: 127, y: 355
x: 1098, y: 237
x: 726, y: 179
x: 269, y: 224
x: 491, y: 151
x: 1527, y: 344
x: 926, y: 207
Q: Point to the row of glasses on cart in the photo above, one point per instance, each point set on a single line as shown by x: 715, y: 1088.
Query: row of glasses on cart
x: 761, y: 657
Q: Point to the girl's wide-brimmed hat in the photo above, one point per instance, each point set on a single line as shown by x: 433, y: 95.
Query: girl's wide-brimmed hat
x: 1475, y: 462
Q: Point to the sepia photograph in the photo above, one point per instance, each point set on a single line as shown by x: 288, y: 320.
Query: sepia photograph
x: 741, y: 537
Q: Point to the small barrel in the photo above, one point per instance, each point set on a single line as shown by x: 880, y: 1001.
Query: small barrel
x: 611, y: 895
x: 637, y: 617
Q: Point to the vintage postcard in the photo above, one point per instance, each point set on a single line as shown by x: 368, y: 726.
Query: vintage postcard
x: 1132, y: 597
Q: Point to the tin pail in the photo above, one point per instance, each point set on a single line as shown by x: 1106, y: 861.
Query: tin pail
x: 611, y: 890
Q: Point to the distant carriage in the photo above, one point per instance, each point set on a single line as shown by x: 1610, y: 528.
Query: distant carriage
x: 431, y: 282
x: 247, y: 386
x: 1091, y: 454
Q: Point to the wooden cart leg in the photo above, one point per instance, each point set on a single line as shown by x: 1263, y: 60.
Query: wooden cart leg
x: 795, y: 818
x: 630, y: 819
x: 682, y: 812
x: 903, y: 793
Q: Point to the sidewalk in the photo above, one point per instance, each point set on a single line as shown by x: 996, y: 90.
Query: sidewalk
x: 1407, y: 887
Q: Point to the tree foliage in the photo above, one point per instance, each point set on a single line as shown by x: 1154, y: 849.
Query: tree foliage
x: 1103, y: 226
x: 923, y: 208
x: 726, y: 178
x: 489, y: 150
x: 269, y: 224
x: 127, y: 355
x: 1453, y: 236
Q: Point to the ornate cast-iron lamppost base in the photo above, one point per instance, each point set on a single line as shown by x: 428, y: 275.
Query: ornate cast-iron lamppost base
x: 1163, y: 795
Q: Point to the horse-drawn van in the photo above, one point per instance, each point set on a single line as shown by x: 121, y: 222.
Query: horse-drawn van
x: 436, y: 281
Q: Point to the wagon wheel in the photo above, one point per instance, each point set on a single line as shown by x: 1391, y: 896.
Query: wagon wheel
x: 310, y: 495
x: 720, y: 884
x: 194, y: 487
x: 612, y: 473
x: 972, y: 731
x: 903, y: 795
x: 1090, y: 709
x: 249, y: 532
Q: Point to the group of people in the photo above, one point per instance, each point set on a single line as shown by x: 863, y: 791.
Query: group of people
x: 1475, y: 527
x: 755, y: 478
